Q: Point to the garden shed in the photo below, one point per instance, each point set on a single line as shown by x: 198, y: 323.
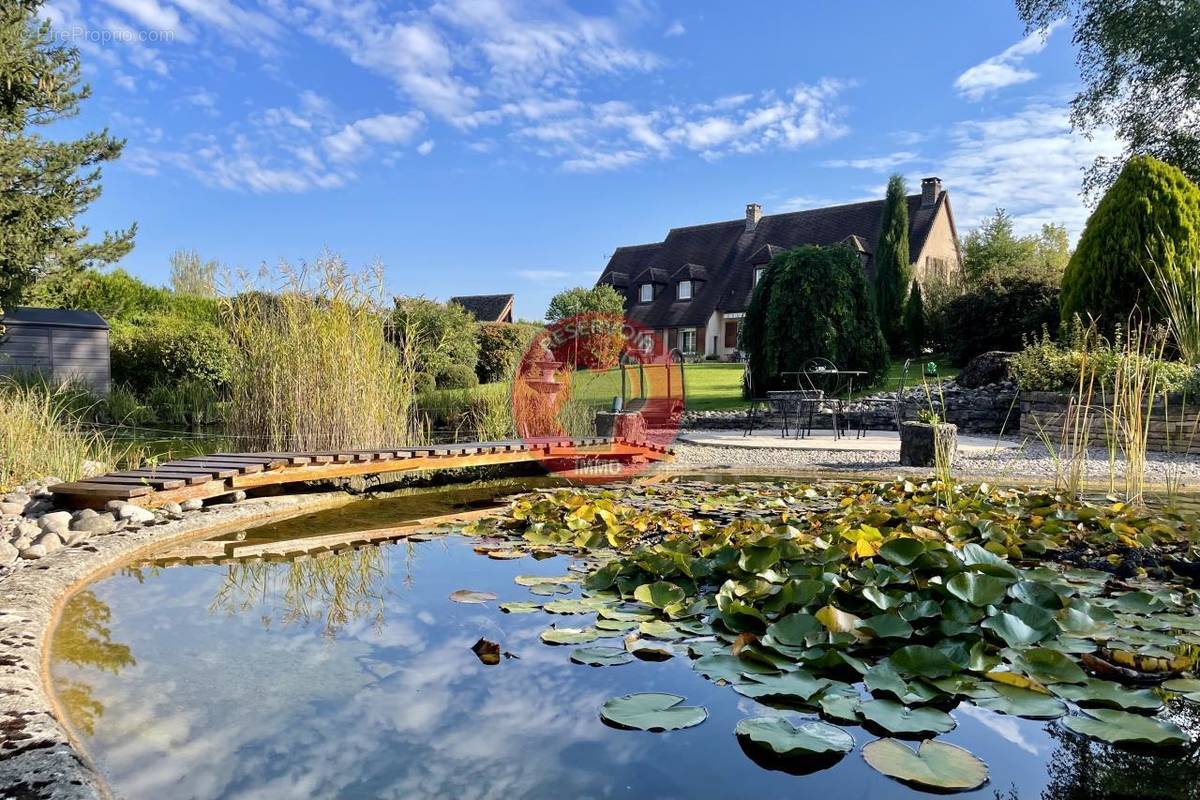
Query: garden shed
x: 62, y: 344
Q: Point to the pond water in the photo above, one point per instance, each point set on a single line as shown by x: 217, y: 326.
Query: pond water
x: 353, y: 676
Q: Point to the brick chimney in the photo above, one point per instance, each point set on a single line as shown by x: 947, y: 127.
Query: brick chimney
x: 930, y: 189
x: 753, y: 215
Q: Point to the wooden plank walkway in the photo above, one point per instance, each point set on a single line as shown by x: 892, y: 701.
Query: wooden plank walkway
x: 203, y: 477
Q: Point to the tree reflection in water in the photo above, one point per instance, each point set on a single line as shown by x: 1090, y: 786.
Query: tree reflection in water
x: 334, y: 590
x: 83, y: 639
x: 1084, y: 769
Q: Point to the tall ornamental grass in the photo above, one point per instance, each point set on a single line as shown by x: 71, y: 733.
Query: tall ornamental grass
x: 40, y: 436
x: 1176, y: 284
x: 315, y: 369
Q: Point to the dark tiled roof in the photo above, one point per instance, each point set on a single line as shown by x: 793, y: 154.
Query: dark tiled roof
x: 693, y: 272
x: 730, y: 254
x: 61, y: 317
x: 486, y: 307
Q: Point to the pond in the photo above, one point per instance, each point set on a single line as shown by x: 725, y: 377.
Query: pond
x: 354, y: 676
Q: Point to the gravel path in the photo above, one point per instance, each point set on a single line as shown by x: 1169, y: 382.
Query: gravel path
x: 1028, y: 463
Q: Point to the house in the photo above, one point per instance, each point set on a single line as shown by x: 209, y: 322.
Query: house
x: 487, y: 307
x: 63, y: 346
x: 693, y: 287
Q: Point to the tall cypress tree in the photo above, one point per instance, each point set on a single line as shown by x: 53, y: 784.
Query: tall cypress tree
x: 1148, y: 219
x: 45, y: 184
x: 891, y: 263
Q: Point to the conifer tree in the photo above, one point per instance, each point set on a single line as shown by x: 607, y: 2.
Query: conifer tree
x: 892, y: 272
x: 45, y: 183
x: 914, y: 320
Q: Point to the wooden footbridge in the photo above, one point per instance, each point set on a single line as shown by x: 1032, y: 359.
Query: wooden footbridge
x: 203, y: 477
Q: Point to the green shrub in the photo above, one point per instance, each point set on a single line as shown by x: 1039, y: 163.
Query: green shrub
x: 1150, y: 215
x: 166, y: 350
x: 431, y: 336
x: 994, y: 316
x: 1047, y: 365
x: 119, y: 297
x: 812, y: 302
x: 501, y: 346
x: 455, y: 376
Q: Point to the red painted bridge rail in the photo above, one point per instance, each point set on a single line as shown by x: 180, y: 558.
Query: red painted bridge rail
x: 203, y: 477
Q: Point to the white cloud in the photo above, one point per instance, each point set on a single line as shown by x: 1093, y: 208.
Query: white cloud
x: 876, y: 163
x: 614, y: 135
x: 676, y: 28
x: 1006, y: 68
x: 1029, y: 163
x: 353, y: 141
x: 425, y: 147
x: 150, y: 13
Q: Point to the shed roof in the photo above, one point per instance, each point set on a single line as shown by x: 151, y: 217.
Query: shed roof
x: 54, y: 317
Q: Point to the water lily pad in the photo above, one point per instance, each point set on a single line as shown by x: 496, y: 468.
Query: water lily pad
x: 923, y: 661
x: 506, y: 555
x: 898, y: 718
x: 795, y: 629
x: 471, y: 596
x: 647, y: 650
x: 840, y: 706
x: 659, y: 594
x: 659, y: 629
x: 652, y: 711
x: 902, y: 550
x: 1013, y: 630
x: 1189, y: 688
x: 600, y: 656
x: 1049, y: 666
x: 520, y: 607
x: 888, y: 626
x: 569, y: 606
x: 934, y: 765
x: 1020, y: 702
x: 798, y: 685
x: 978, y: 589
x: 1107, y: 694
x: 785, y: 739
x: 1121, y: 727
x: 837, y: 621
x: 569, y: 635
x: 549, y: 589
x: 730, y: 668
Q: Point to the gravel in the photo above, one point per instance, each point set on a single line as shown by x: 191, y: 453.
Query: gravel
x: 1030, y: 462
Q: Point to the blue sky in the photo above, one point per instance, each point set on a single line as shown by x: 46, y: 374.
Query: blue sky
x: 478, y: 146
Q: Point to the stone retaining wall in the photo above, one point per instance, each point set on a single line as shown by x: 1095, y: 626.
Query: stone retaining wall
x: 1174, y: 426
x: 990, y: 409
x: 38, y: 757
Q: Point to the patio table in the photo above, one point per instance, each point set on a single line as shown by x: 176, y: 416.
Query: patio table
x: 838, y: 375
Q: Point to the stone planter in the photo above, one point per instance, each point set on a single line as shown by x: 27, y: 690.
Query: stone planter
x: 920, y: 444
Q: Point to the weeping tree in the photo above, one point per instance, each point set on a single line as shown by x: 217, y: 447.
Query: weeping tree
x: 892, y: 271
x: 1148, y: 219
x: 45, y: 183
x: 812, y: 302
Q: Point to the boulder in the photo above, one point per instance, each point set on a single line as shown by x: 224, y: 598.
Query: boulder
x: 984, y: 369
x: 12, y: 509
x: 55, y: 520
x: 191, y: 505
x: 8, y: 553
x: 49, y: 542
x: 172, y: 508
x: 32, y: 552
x: 26, y: 530
x: 134, y: 513
x: 84, y: 513
x: 101, y: 523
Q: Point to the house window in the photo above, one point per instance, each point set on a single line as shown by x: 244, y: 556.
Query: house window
x: 687, y: 340
x: 684, y: 291
x: 758, y: 273
x: 646, y: 293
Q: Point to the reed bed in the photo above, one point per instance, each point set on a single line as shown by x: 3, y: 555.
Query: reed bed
x: 315, y: 368
x: 41, y: 436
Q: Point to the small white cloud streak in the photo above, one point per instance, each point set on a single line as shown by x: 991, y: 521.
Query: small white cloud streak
x: 1004, y: 69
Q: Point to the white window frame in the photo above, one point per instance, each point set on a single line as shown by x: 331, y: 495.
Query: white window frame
x: 679, y: 290
x: 683, y: 334
x: 758, y: 273
x: 644, y: 290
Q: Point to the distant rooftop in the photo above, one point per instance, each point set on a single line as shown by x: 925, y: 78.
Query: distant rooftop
x: 487, y: 307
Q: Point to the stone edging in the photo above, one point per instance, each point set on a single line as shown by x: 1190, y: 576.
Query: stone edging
x: 39, y: 757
